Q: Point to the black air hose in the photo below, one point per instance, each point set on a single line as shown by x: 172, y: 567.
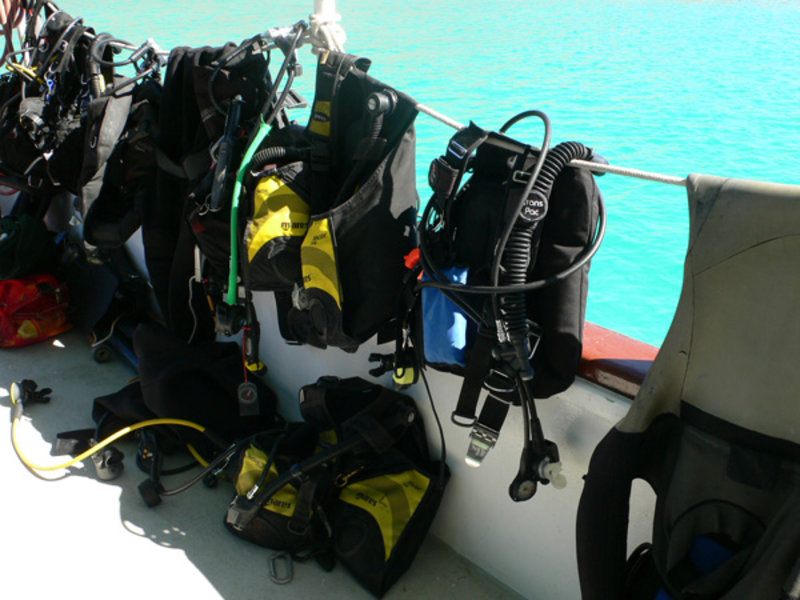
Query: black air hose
x: 272, y: 154
x: 94, y: 66
x: 517, y: 252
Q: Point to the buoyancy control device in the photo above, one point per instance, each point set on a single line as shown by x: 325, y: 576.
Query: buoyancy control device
x: 714, y: 429
x: 353, y: 482
x: 331, y: 212
x: 201, y: 85
x: 503, y: 275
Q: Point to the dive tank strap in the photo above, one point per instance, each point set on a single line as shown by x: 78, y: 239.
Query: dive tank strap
x: 486, y: 427
x: 332, y: 70
x: 446, y: 172
x: 478, y: 364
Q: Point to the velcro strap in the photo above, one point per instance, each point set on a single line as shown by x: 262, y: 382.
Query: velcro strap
x: 446, y: 171
x: 464, y: 143
x: 379, y: 438
x: 442, y: 177
x: 301, y: 517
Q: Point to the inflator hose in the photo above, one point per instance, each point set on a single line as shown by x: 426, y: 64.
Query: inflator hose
x: 16, y: 415
x: 273, y: 154
x: 516, y: 256
x: 268, y: 113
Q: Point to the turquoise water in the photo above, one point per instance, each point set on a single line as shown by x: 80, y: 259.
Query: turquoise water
x: 661, y: 85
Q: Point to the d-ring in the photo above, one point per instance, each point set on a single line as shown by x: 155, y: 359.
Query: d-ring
x: 274, y: 575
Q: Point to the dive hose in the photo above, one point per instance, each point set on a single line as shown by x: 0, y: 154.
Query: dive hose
x: 252, y: 147
x: 150, y: 489
x: 515, y: 255
x: 17, y: 411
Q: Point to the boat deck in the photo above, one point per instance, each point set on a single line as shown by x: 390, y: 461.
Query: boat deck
x: 74, y: 536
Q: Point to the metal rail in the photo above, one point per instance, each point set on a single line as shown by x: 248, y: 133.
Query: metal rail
x: 597, y: 167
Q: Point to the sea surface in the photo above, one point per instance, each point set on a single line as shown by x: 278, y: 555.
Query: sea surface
x: 669, y: 86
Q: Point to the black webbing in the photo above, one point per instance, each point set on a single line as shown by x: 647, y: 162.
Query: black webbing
x: 493, y: 413
x: 478, y: 363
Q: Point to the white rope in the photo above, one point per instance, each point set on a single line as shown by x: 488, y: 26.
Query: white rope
x: 326, y: 33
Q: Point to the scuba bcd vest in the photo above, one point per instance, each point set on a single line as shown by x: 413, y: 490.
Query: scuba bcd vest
x: 714, y: 429
x: 332, y: 213
x: 353, y: 482
x: 504, y: 260
x: 119, y: 164
x: 198, y: 84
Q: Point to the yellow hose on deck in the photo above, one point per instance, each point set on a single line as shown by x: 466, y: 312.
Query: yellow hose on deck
x: 97, y: 447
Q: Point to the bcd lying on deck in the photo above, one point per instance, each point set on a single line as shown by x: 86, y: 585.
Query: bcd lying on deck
x: 354, y: 482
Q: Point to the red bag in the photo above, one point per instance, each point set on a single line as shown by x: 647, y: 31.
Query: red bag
x: 32, y: 309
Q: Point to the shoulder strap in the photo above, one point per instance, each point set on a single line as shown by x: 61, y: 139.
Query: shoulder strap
x: 446, y: 172
x: 332, y: 69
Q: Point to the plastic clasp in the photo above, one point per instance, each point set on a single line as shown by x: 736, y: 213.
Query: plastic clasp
x: 481, y: 440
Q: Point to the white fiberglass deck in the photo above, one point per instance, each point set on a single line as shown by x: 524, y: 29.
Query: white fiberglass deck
x: 79, y: 537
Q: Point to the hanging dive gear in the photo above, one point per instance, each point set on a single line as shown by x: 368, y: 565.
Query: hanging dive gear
x: 177, y: 217
x: 231, y: 315
x: 333, y: 214
x: 41, y: 136
x: 505, y: 258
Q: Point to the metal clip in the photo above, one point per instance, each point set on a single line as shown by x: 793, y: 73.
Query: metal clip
x: 457, y: 150
x: 51, y: 88
x: 273, y: 568
x: 481, y: 440
x: 342, y: 480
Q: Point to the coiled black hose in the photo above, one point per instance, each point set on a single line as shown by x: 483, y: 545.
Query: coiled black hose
x: 271, y: 154
x: 516, y: 260
x: 557, y: 158
x: 516, y: 256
